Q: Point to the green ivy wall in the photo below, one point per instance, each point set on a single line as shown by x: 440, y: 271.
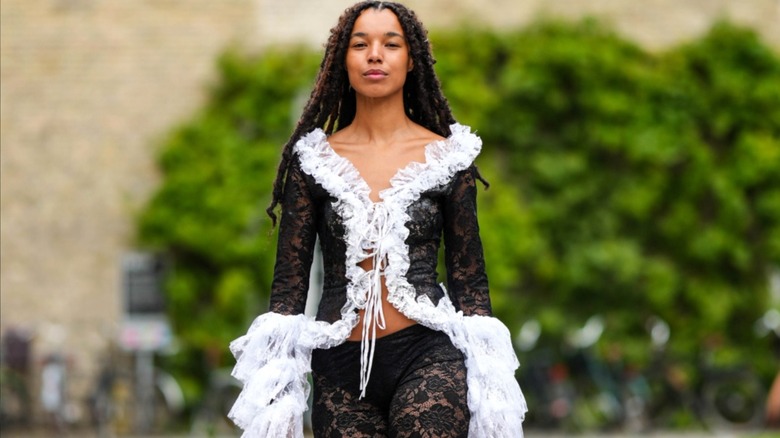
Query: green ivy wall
x: 623, y: 183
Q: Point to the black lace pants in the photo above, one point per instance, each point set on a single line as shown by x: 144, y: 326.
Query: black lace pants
x: 417, y: 388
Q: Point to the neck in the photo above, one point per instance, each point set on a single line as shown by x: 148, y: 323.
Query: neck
x: 379, y: 120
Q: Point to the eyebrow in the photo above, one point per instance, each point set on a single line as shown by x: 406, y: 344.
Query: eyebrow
x: 387, y: 34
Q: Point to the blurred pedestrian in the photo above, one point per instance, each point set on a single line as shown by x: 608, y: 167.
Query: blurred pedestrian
x: 379, y: 170
x: 53, y: 375
x: 773, y: 397
x: 773, y: 404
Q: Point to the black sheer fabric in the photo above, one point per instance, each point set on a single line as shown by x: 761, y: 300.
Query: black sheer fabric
x: 450, y: 210
x: 427, y: 203
x: 295, y: 249
x: 466, y: 277
x: 418, y: 389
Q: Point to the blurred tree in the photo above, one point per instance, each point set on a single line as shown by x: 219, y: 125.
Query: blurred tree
x: 624, y: 183
x: 209, y: 213
x: 725, y: 187
x: 653, y: 180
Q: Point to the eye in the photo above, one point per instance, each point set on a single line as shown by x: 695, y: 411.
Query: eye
x: 359, y: 45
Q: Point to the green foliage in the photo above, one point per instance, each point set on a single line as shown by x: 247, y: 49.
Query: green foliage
x: 645, y: 179
x: 624, y: 183
x: 209, y: 213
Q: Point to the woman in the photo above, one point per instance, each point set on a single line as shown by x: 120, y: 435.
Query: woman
x: 379, y: 170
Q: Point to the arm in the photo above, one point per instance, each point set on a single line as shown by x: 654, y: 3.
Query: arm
x: 495, y: 400
x: 274, y: 356
x: 466, y: 278
x: 295, y: 249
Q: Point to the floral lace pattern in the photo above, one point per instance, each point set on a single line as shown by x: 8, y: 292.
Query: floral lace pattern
x: 496, y: 403
x: 420, y: 392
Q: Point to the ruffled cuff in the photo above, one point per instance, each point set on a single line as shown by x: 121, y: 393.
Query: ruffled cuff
x: 273, y: 365
x: 495, y: 400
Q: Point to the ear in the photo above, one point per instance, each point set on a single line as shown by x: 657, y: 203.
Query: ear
x: 411, y: 65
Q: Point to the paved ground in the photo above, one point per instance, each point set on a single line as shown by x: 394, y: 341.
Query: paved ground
x: 532, y: 434
x: 528, y: 434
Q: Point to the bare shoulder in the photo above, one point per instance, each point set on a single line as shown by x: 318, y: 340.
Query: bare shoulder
x: 425, y: 136
x: 418, y: 139
x: 413, y: 138
x: 343, y: 140
x: 339, y: 136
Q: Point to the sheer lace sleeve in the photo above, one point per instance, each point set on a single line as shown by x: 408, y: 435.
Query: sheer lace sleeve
x: 466, y: 278
x: 496, y: 402
x: 295, y: 250
x: 274, y: 356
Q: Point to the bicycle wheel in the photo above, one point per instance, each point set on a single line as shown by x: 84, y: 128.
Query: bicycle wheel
x: 733, y: 401
x: 211, y: 417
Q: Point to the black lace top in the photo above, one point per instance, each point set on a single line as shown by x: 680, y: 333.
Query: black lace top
x: 325, y: 196
x: 447, y: 208
x: 450, y: 210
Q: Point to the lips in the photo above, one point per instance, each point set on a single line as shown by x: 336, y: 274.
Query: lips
x: 374, y: 74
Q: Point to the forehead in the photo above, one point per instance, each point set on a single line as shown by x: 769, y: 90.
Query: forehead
x: 374, y: 21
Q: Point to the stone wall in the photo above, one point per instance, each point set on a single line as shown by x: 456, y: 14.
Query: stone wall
x: 653, y: 23
x: 89, y: 87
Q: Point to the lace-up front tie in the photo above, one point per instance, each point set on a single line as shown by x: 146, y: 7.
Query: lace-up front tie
x: 374, y: 243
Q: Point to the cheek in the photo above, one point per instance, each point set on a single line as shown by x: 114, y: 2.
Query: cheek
x: 352, y: 63
x: 350, y: 67
x: 408, y: 61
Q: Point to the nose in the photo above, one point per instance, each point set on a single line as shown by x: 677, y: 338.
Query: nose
x: 375, y: 53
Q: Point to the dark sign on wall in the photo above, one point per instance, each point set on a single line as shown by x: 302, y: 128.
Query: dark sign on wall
x: 145, y: 326
x: 142, y: 283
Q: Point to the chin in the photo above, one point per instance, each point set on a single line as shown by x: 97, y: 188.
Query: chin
x: 377, y: 94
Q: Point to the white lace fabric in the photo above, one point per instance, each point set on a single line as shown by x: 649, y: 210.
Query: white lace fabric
x: 275, y: 355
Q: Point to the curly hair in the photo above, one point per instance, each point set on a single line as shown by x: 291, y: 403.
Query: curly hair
x: 331, y: 105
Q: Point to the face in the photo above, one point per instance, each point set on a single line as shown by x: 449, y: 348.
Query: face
x: 378, y: 56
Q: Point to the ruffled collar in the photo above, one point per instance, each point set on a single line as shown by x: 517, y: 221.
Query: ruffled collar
x: 342, y: 180
x: 443, y: 158
x: 379, y: 228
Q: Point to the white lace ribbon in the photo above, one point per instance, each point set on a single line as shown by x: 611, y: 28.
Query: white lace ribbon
x: 373, y: 242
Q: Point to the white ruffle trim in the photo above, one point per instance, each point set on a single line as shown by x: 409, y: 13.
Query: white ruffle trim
x: 495, y: 400
x: 339, y: 177
x: 496, y: 403
x: 272, y: 361
x: 275, y: 355
x: 378, y: 229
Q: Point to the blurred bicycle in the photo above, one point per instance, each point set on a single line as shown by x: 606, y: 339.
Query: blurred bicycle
x: 115, y: 402
x: 721, y: 399
x: 211, y: 418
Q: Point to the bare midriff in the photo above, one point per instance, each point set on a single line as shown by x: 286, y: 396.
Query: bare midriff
x: 394, y: 319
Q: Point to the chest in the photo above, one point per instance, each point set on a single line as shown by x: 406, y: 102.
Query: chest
x: 423, y: 218
x: 377, y: 169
